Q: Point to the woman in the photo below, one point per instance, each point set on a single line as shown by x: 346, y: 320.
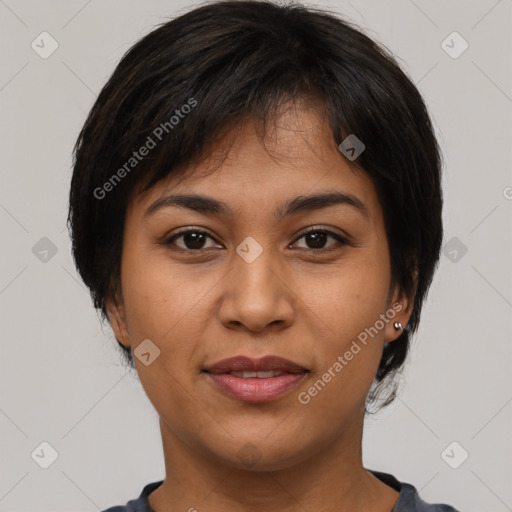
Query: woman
x: 256, y: 209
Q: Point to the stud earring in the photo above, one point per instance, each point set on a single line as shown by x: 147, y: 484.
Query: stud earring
x: 398, y: 326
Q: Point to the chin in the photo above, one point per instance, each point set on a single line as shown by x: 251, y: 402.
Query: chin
x: 261, y: 455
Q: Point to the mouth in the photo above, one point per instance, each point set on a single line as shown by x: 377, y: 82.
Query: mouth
x: 255, y: 380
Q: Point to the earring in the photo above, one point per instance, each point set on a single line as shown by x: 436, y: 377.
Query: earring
x: 397, y: 326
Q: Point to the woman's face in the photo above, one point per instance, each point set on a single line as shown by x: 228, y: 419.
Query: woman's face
x: 253, y: 285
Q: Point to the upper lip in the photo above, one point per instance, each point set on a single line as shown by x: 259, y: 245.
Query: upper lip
x: 263, y: 364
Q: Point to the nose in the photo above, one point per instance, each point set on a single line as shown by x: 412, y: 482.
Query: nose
x: 256, y: 296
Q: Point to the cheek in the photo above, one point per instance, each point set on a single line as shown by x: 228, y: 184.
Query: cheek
x: 162, y: 305
x: 351, y: 300
x: 351, y: 351
x: 350, y: 306
x: 159, y: 296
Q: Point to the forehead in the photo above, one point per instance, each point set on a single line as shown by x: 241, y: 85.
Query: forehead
x: 296, y: 156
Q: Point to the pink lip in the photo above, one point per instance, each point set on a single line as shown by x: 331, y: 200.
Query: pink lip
x: 263, y: 364
x: 255, y: 389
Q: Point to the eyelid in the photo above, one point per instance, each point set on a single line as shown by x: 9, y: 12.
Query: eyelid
x: 326, y: 229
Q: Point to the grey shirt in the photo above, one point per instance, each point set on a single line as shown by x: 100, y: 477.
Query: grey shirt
x: 408, y: 500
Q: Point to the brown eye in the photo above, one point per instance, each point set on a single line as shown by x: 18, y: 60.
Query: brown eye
x: 193, y: 239
x: 316, y: 239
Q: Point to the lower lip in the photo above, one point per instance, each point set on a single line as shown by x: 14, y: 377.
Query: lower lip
x: 254, y: 389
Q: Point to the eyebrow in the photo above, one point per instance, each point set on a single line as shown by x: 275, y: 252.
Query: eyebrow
x: 300, y: 204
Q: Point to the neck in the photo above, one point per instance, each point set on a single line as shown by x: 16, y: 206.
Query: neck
x: 333, y: 479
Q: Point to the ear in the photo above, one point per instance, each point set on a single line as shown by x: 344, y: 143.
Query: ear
x: 399, y: 310
x: 116, y: 315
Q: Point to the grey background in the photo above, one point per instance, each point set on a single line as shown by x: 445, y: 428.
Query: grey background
x: 61, y: 379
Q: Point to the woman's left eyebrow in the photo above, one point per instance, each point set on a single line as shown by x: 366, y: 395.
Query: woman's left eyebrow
x: 306, y: 203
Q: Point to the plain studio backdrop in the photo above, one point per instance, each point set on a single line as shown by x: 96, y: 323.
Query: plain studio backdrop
x: 62, y: 383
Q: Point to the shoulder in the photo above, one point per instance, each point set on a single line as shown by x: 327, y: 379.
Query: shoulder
x: 409, y: 499
x: 140, y: 504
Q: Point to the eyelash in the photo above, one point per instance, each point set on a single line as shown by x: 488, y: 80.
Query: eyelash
x: 340, y: 239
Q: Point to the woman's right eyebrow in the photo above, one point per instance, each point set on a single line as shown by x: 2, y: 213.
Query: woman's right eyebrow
x: 305, y: 203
